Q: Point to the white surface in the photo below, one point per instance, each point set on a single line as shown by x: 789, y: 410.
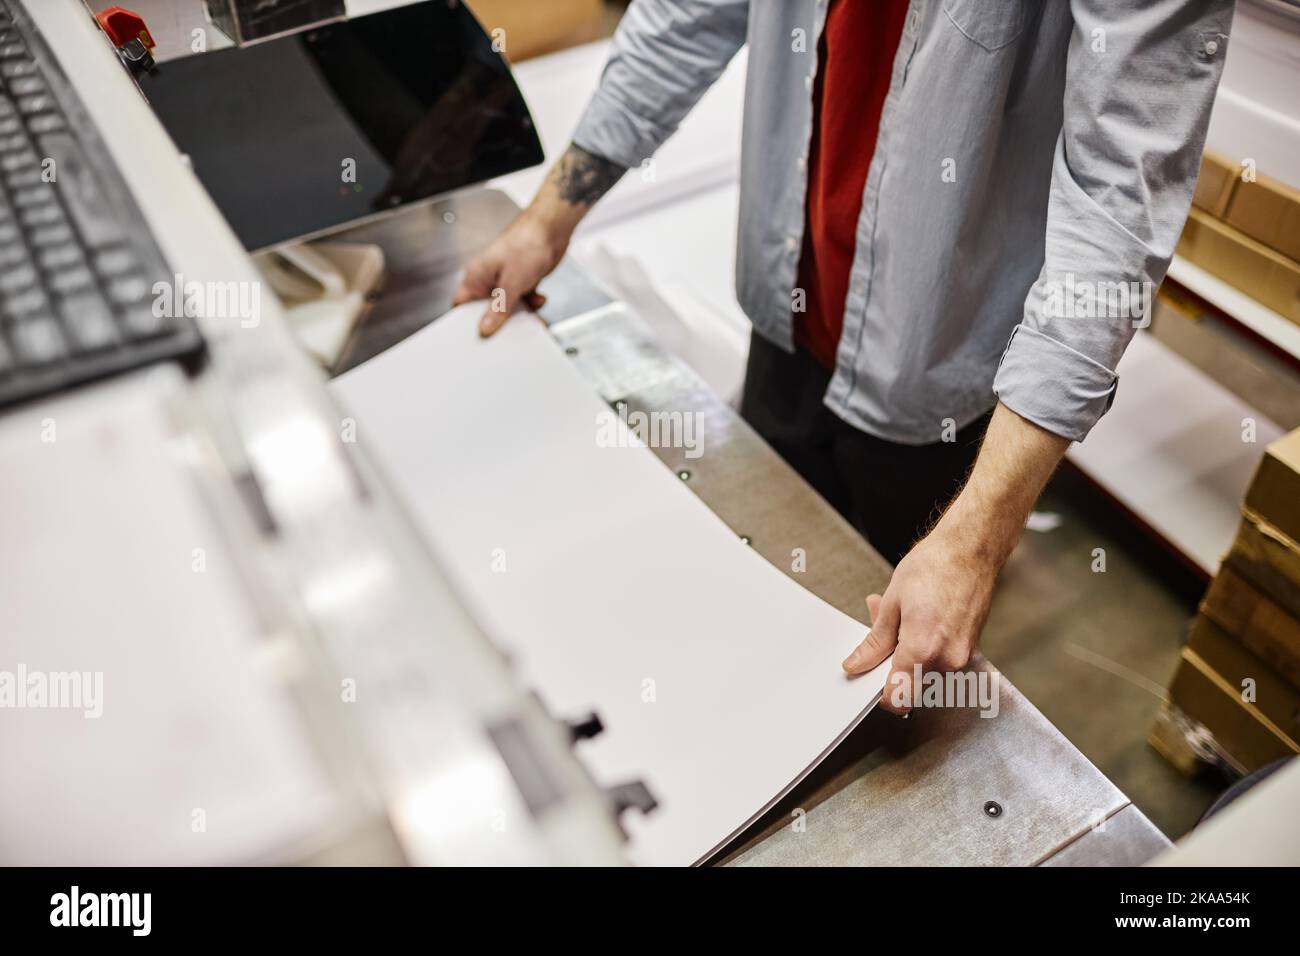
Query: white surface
x: 1171, y: 450
x: 615, y: 575
x: 704, y: 152
x: 1256, y: 316
x: 665, y: 245
x: 687, y: 247
x: 1256, y: 113
x: 713, y: 341
x: 192, y: 718
x: 1257, y: 829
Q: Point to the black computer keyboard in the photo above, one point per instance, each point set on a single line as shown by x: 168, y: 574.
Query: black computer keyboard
x: 78, y: 263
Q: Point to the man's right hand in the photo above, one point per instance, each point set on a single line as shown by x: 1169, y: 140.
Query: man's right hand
x: 508, y: 271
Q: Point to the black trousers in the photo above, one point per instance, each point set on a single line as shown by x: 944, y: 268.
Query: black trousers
x: 891, y: 493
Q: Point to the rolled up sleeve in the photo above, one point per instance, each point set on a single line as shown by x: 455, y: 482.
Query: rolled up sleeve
x: 1140, y: 82
x: 1055, y: 387
x: 664, y: 55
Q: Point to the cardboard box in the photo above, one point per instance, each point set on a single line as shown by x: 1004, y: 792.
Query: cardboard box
x: 1239, y: 730
x: 1215, y: 184
x: 1274, y: 492
x: 1269, y: 560
x: 1267, y: 211
x: 1257, y: 622
x: 1248, y: 676
x: 1266, y: 276
x: 529, y: 28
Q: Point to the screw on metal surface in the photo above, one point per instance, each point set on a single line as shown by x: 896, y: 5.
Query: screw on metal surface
x: 571, y: 350
x: 745, y: 539
x: 684, y: 475
x: 993, y: 809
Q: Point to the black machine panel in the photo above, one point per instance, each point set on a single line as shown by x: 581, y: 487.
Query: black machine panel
x: 298, y: 135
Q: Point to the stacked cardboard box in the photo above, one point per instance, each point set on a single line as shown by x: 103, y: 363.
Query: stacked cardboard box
x: 527, y: 28
x: 1235, y: 698
x: 1245, y: 229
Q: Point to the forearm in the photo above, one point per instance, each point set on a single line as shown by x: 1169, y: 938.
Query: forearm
x: 574, y: 184
x: 1015, y: 462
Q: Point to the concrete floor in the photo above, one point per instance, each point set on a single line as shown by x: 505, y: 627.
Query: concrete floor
x: 1094, y: 651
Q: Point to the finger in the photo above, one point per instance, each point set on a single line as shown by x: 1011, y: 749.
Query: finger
x: 534, y: 301
x: 476, y: 283
x: 505, y: 299
x: 880, y: 640
x: 897, y: 696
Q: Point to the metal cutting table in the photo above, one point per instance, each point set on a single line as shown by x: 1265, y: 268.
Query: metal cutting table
x: 941, y: 787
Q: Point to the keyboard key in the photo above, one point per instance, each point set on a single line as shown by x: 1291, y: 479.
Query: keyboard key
x: 26, y: 85
x: 51, y: 235
x: 10, y: 125
x: 141, y: 322
x: 24, y: 178
x: 38, y: 340
x: 114, y: 262
x: 128, y: 290
x: 36, y: 103
x: 6, y: 358
x: 12, y: 254
x: 48, y: 215
x: 36, y: 195
x: 26, y: 303
x: 17, y: 279
x: 12, y: 162
x: 63, y: 256
x: 79, y: 188
x: 12, y: 69
x: 12, y: 49
x: 71, y: 280
x: 89, y: 322
x: 45, y: 123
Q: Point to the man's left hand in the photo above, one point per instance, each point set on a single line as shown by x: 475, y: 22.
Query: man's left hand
x: 938, y: 599
x: 930, y: 615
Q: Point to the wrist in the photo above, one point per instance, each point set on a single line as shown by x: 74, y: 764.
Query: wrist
x: 553, y: 226
x: 982, y: 537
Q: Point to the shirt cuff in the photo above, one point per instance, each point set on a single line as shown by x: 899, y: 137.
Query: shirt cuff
x: 1045, y: 381
x: 610, y: 130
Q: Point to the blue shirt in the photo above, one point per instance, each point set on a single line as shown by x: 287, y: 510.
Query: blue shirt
x: 1032, y: 173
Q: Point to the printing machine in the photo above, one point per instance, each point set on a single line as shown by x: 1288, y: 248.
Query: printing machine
x: 317, y: 587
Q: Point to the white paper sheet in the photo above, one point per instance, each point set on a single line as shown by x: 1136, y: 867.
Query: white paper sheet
x: 612, y: 586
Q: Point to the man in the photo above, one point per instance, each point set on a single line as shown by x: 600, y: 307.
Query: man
x: 939, y: 201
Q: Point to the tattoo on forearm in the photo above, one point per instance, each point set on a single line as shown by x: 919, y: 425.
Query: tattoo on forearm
x: 583, y: 177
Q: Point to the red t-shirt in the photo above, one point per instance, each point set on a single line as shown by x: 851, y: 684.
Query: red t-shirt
x: 856, y: 58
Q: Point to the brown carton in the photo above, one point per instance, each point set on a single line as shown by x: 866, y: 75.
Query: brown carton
x: 1267, y: 211
x: 1269, y: 560
x: 1274, y: 493
x: 526, y: 28
x: 1263, y: 274
x: 1238, y: 728
x: 1257, y: 684
x: 1257, y: 621
x: 1214, y: 186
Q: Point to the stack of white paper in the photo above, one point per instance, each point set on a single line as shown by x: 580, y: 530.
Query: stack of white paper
x: 613, y: 587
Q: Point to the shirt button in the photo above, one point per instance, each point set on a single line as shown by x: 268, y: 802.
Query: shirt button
x: 802, y: 163
x: 808, y: 82
x: 791, y: 244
